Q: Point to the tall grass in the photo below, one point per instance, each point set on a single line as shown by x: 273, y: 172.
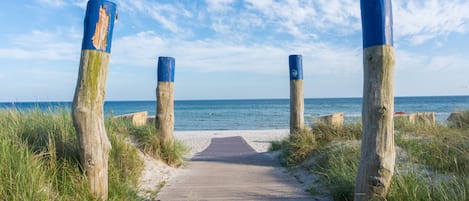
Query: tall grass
x: 326, y: 134
x: 338, y: 165
x: 414, y: 185
x: 19, y: 169
x: 50, y: 140
x: 150, y: 143
x: 438, y: 154
x: 447, y: 152
x: 39, y: 157
x: 301, y: 146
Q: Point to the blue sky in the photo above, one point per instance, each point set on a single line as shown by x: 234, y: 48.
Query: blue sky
x: 230, y: 49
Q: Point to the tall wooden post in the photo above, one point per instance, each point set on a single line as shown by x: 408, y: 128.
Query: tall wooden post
x: 87, y: 111
x: 378, y: 152
x: 165, y: 100
x: 297, y: 119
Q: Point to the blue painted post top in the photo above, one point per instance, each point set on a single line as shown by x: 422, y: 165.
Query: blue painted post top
x: 376, y: 22
x: 166, y: 66
x: 296, y: 67
x: 99, y: 23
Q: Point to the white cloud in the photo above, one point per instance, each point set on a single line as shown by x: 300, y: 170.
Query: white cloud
x: 342, y: 15
x: 44, y: 45
x: 421, y: 74
x: 168, y: 15
x: 52, y: 3
x: 219, y: 5
x: 441, y: 64
x: 420, y: 21
x: 307, y: 19
x: 291, y: 15
x: 448, y: 64
x: 142, y: 50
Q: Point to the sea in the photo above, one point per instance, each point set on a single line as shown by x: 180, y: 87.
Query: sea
x: 259, y: 114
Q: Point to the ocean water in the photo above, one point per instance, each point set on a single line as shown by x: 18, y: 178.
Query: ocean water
x: 262, y: 113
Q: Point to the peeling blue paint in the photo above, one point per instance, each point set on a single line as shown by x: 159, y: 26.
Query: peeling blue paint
x: 91, y: 19
x: 166, y: 67
x: 376, y: 22
x: 296, y: 67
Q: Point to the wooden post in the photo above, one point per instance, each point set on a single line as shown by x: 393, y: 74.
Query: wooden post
x: 87, y: 111
x: 297, y: 119
x: 165, y: 100
x: 378, y: 152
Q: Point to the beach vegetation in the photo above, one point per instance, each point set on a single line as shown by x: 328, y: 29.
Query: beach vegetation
x: 460, y: 120
x: 305, y: 143
x: 40, y: 159
x: 150, y: 143
x: 431, y: 164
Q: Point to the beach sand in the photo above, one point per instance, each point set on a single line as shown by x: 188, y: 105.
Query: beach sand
x: 156, y: 173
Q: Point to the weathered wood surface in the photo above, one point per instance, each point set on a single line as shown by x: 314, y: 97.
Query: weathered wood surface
x: 88, y: 119
x: 165, y: 112
x: 336, y: 120
x: 378, y: 151
x: 88, y: 102
x: 423, y: 118
x: 297, y: 118
x: 137, y: 118
x: 230, y: 169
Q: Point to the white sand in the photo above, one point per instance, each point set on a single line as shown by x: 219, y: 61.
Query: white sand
x: 155, y: 172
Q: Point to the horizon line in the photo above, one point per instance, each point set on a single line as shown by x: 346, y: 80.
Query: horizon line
x: 223, y: 99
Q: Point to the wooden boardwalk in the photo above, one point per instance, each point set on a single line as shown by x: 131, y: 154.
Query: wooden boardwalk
x: 230, y: 169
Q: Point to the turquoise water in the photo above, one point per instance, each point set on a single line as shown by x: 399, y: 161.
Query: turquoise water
x: 263, y: 113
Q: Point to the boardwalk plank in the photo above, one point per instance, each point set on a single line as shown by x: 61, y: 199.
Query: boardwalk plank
x: 230, y: 169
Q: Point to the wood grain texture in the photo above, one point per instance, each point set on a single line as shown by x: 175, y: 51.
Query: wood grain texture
x: 165, y: 112
x: 88, y: 119
x: 297, y: 119
x: 378, y: 152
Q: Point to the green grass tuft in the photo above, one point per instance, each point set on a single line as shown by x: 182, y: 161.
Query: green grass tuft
x: 325, y: 134
x: 438, y: 156
x: 447, y: 151
x: 338, y: 165
x: 148, y: 140
x: 39, y: 154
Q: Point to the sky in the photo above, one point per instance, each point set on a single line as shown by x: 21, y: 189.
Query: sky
x: 231, y: 49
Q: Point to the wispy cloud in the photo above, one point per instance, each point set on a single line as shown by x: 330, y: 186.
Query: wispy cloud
x: 290, y: 16
x: 219, y: 5
x: 167, y: 14
x: 302, y: 18
x: 420, y: 21
x: 142, y: 50
x: 43, y: 45
x: 341, y: 15
x: 52, y: 3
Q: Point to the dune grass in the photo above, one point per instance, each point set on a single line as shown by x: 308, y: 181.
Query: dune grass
x: 307, y: 142
x: 149, y: 143
x: 435, y: 165
x: 39, y: 154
